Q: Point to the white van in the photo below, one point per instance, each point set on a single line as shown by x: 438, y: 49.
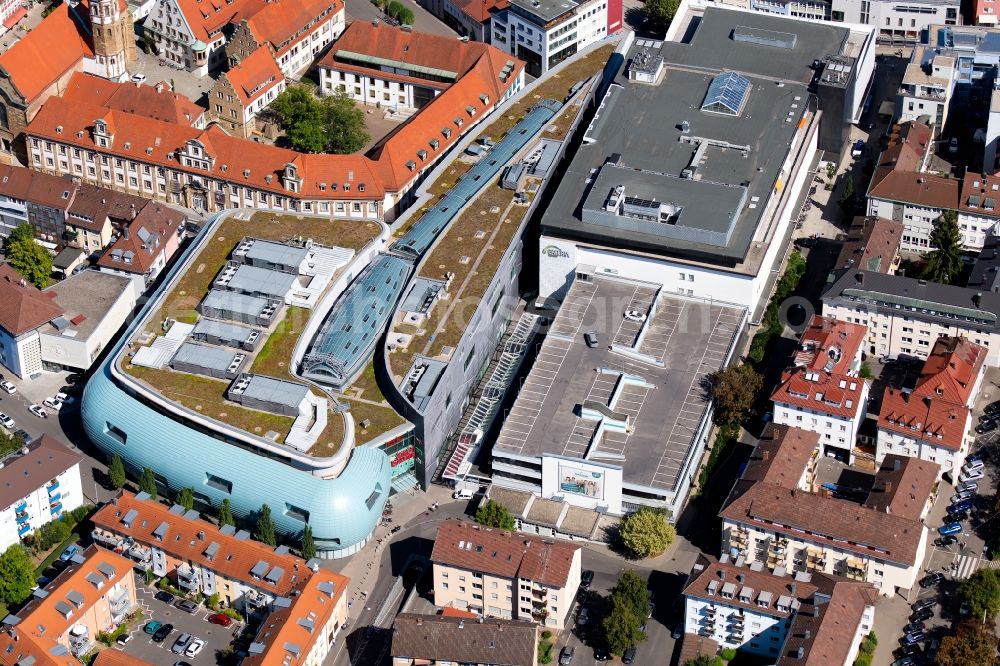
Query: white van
x: 462, y: 494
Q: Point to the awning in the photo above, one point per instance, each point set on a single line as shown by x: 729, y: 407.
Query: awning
x: 15, y: 17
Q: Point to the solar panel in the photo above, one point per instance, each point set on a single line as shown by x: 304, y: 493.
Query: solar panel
x: 726, y: 94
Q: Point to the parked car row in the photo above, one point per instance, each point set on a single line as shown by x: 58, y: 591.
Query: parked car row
x: 961, y: 501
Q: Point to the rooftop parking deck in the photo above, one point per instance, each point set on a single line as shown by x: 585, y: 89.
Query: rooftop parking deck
x: 654, y: 379
x: 206, y: 395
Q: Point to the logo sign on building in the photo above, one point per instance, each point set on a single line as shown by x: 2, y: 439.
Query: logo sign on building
x: 554, y: 252
x: 581, y: 481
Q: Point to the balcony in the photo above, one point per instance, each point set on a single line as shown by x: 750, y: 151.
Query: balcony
x: 55, y: 509
x: 54, y: 497
x: 23, y: 506
x: 140, y: 555
x: 106, y: 538
x: 739, y: 538
x: 22, y: 517
x: 187, y: 578
x: 52, y: 487
x: 120, y: 606
x: 23, y: 529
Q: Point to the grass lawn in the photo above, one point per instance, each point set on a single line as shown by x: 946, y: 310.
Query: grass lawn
x: 273, y: 357
x: 382, y: 419
x: 54, y: 554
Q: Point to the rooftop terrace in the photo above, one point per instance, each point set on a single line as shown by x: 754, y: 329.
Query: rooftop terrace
x: 206, y: 395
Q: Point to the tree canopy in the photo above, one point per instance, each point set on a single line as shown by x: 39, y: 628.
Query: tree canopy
x: 661, y: 12
x: 186, y: 498
x: 17, y: 575
x: 944, y: 262
x: 631, y: 588
x: 734, y: 390
x: 629, y: 609
x: 265, y: 527
x: 147, y: 482
x: 493, y: 514
x: 331, y: 124
x: 226, y: 514
x: 116, y: 472
x: 308, y: 545
x: 970, y: 645
x: 27, y: 257
x: 646, y: 532
x: 982, y: 592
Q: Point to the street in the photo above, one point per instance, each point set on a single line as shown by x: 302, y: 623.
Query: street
x: 364, y: 10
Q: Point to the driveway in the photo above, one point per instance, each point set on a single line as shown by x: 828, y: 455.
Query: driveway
x: 424, y: 21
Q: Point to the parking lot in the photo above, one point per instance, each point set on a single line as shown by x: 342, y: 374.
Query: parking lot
x: 142, y: 646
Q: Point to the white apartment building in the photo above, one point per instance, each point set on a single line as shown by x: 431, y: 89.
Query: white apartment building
x: 821, y: 391
x: 503, y: 574
x: 768, y: 613
x: 926, y: 88
x: 543, y: 33
x: 37, y: 485
x: 897, y: 23
x: 778, y: 518
x: 906, y: 316
x: 933, y: 419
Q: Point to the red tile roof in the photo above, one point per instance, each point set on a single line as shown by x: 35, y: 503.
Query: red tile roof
x: 480, y: 10
x: 115, y: 657
x: 781, y: 456
x: 40, y: 188
x: 44, y: 55
x: 902, y: 486
x: 504, y: 554
x: 157, y: 102
x: 25, y: 308
x: 254, y: 76
x: 936, y: 410
x: 872, y: 244
x: 825, y: 626
x: 282, y: 23
x: 823, y: 376
x: 708, y: 576
x: 984, y: 187
x: 207, y: 18
x: 146, y: 238
x: 187, y: 539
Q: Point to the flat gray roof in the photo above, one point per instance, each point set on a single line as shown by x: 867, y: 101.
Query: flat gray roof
x: 686, y: 338
x: 545, y: 9
x: 223, y: 330
x: 274, y: 390
x: 204, y: 356
x: 86, y: 298
x: 639, y: 126
x: 256, y: 280
x: 230, y: 301
x: 713, y: 47
x: 276, y: 253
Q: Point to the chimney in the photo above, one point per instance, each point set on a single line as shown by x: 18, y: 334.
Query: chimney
x: 792, y: 589
x: 722, y: 574
x: 860, y: 277
x: 888, y: 487
x: 897, y: 464
x: 977, y: 298
x: 765, y: 455
x: 461, y: 624
x: 420, y: 621
x: 739, y: 578
x: 125, y: 232
x: 807, y: 634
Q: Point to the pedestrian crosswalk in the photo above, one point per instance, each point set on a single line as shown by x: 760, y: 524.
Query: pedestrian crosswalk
x: 966, y: 565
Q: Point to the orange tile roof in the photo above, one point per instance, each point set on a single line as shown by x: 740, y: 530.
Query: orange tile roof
x: 872, y: 244
x: 986, y: 188
x: 44, y: 55
x: 148, y: 235
x: 281, y: 23
x: 823, y: 377
x: 902, y: 486
x: 41, y: 624
x: 504, y: 554
x: 480, y: 10
x: 151, y: 141
x: 207, y: 18
x: 936, y: 410
x: 313, y: 606
x: 25, y: 308
x: 254, y: 76
x: 115, y: 657
x: 188, y: 538
x: 157, y: 102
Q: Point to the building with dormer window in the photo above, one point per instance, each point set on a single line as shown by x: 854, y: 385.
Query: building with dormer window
x: 244, y: 91
x: 822, y: 391
x: 932, y: 420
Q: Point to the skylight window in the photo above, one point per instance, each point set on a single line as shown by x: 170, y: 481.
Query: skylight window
x: 727, y: 94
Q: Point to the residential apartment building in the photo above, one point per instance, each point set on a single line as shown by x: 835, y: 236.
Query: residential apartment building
x: 438, y: 639
x: 302, y: 628
x: 294, y: 32
x: 470, y: 18
x: 508, y: 575
x: 897, y: 23
x: 775, y: 613
x: 145, y: 245
x: 37, y: 484
x: 984, y: 12
x: 926, y: 88
x: 903, y: 190
x: 906, y: 316
x: 386, y: 67
x: 872, y: 244
x: 543, y: 33
x: 25, y: 309
x: 196, y: 37
x: 11, y: 11
x: 776, y: 516
x: 197, y: 555
x: 821, y: 391
x: 244, y: 91
x: 60, y: 623
x: 932, y: 420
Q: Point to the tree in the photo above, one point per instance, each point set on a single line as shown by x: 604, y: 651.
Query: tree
x: 734, y: 390
x: 493, y: 514
x: 116, y: 472
x: 847, y: 196
x: 308, y: 545
x: 621, y: 626
x: 944, y: 262
x: 982, y: 592
x: 147, y: 482
x: 970, y: 645
x: 17, y: 575
x: 265, y: 527
x: 661, y: 12
x: 701, y: 660
x: 346, y: 131
x: 301, y: 116
x: 186, y: 498
x: 631, y: 589
x: 646, y: 532
x: 226, y: 514
x: 27, y: 257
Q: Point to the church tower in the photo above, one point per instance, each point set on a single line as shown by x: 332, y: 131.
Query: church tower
x: 114, y: 37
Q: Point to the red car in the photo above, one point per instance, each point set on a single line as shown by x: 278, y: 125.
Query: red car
x: 220, y: 619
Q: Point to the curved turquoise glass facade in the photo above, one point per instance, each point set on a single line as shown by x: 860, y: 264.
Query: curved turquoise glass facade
x: 342, y: 511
